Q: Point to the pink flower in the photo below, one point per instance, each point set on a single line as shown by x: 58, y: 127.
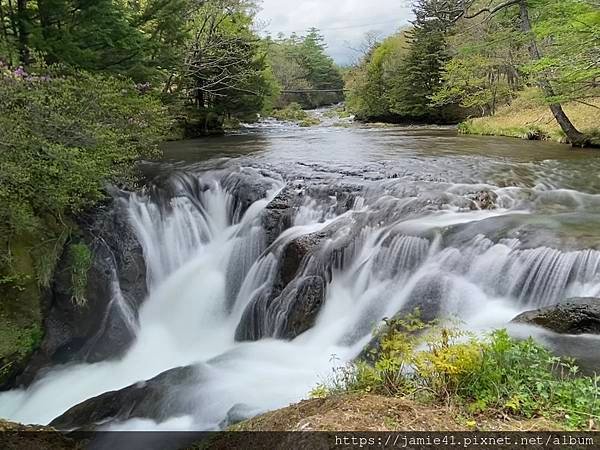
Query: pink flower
x: 20, y: 72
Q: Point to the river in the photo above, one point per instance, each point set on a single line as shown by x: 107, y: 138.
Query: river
x: 385, y: 217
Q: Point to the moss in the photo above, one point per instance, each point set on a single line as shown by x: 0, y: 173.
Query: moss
x: 20, y: 309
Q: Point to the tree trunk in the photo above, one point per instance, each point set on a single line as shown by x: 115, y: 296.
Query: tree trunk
x: 23, y: 29
x: 575, y: 137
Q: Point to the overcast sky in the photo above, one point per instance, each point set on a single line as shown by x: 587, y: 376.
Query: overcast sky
x: 342, y: 22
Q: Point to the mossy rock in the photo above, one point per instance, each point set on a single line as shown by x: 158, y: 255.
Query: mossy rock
x: 20, y: 311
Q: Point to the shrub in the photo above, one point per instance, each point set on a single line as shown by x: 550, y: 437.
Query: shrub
x: 294, y: 113
x: 63, y: 138
x: 494, y: 373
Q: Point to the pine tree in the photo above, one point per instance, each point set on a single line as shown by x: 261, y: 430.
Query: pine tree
x: 421, y: 74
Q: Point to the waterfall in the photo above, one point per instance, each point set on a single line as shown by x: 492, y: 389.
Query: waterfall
x: 263, y: 319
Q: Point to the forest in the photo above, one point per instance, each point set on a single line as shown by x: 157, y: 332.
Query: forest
x: 464, y: 59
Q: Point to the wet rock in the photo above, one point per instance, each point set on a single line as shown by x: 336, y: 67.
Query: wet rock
x: 270, y: 308
x: 279, y: 214
x: 290, y: 303
x: 574, y: 316
x: 295, y: 253
x: 306, y: 297
x: 484, y: 200
x: 425, y: 302
x: 247, y: 186
x: 165, y: 396
x: 104, y: 327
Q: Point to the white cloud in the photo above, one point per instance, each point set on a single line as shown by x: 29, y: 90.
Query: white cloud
x: 342, y: 22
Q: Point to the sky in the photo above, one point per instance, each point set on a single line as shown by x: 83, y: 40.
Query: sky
x: 342, y: 22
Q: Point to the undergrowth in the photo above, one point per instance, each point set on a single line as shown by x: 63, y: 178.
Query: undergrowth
x: 495, y: 373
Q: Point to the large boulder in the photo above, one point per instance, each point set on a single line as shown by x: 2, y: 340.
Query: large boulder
x: 289, y: 304
x: 279, y: 214
x: 104, y: 327
x: 574, y: 316
x: 248, y: 185
x: 306, y: 296
x: 158, y: 399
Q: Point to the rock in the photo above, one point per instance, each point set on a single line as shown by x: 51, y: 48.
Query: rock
x: 238, y: 413
x: 162, y: 397
x: 484, y: 200
x: 279, y: 214
x: 307, y: 297
x: 104, y: 327
x: 574, y: 316
x: 247, y: 186
x: 267, y: 313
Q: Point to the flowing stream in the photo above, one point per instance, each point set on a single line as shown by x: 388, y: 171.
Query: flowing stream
x: 475, y: 228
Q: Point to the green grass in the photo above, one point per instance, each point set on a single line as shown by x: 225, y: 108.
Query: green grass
x: 81, y: 261
x: 491, y: 375
x: 526, y: 118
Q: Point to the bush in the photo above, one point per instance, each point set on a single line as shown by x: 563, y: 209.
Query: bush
x: 495, y: 373
x: 63, y: 138
x: 294, y: 113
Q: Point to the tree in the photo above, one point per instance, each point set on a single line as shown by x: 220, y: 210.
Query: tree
x: 300, y: 63
x: 220, y: 52
x: 485, y: 70
x: 139, y: 39
x: 421, y: 74
x: 542, y: 71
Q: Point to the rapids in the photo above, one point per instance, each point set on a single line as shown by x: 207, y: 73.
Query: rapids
x: 400, y: 221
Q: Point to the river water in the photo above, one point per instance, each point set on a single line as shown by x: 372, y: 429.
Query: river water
x: 482, y: 228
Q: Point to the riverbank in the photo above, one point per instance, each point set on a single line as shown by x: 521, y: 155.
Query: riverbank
x: 366, y: 412
x: 526, y: 119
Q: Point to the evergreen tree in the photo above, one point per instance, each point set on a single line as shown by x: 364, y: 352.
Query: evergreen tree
x: 421, y: 74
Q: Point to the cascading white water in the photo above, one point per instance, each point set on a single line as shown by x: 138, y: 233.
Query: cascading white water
x: 205, y: 268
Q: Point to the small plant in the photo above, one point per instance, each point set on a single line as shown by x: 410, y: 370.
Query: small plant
x: 81, y: 261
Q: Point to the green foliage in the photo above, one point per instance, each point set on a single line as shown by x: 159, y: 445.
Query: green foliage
x: 141, y: 39
x: 484, y: 71
x: 569, y: 33
x: 397, y: 78
x: 496, y: 373
x: 225, y: 69
x: 294, y: 113
x: 63, y: 139
x: 81, y: 261
x: 372, y: 84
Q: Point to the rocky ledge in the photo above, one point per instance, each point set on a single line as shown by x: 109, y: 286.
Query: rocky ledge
x: 573, y: 316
